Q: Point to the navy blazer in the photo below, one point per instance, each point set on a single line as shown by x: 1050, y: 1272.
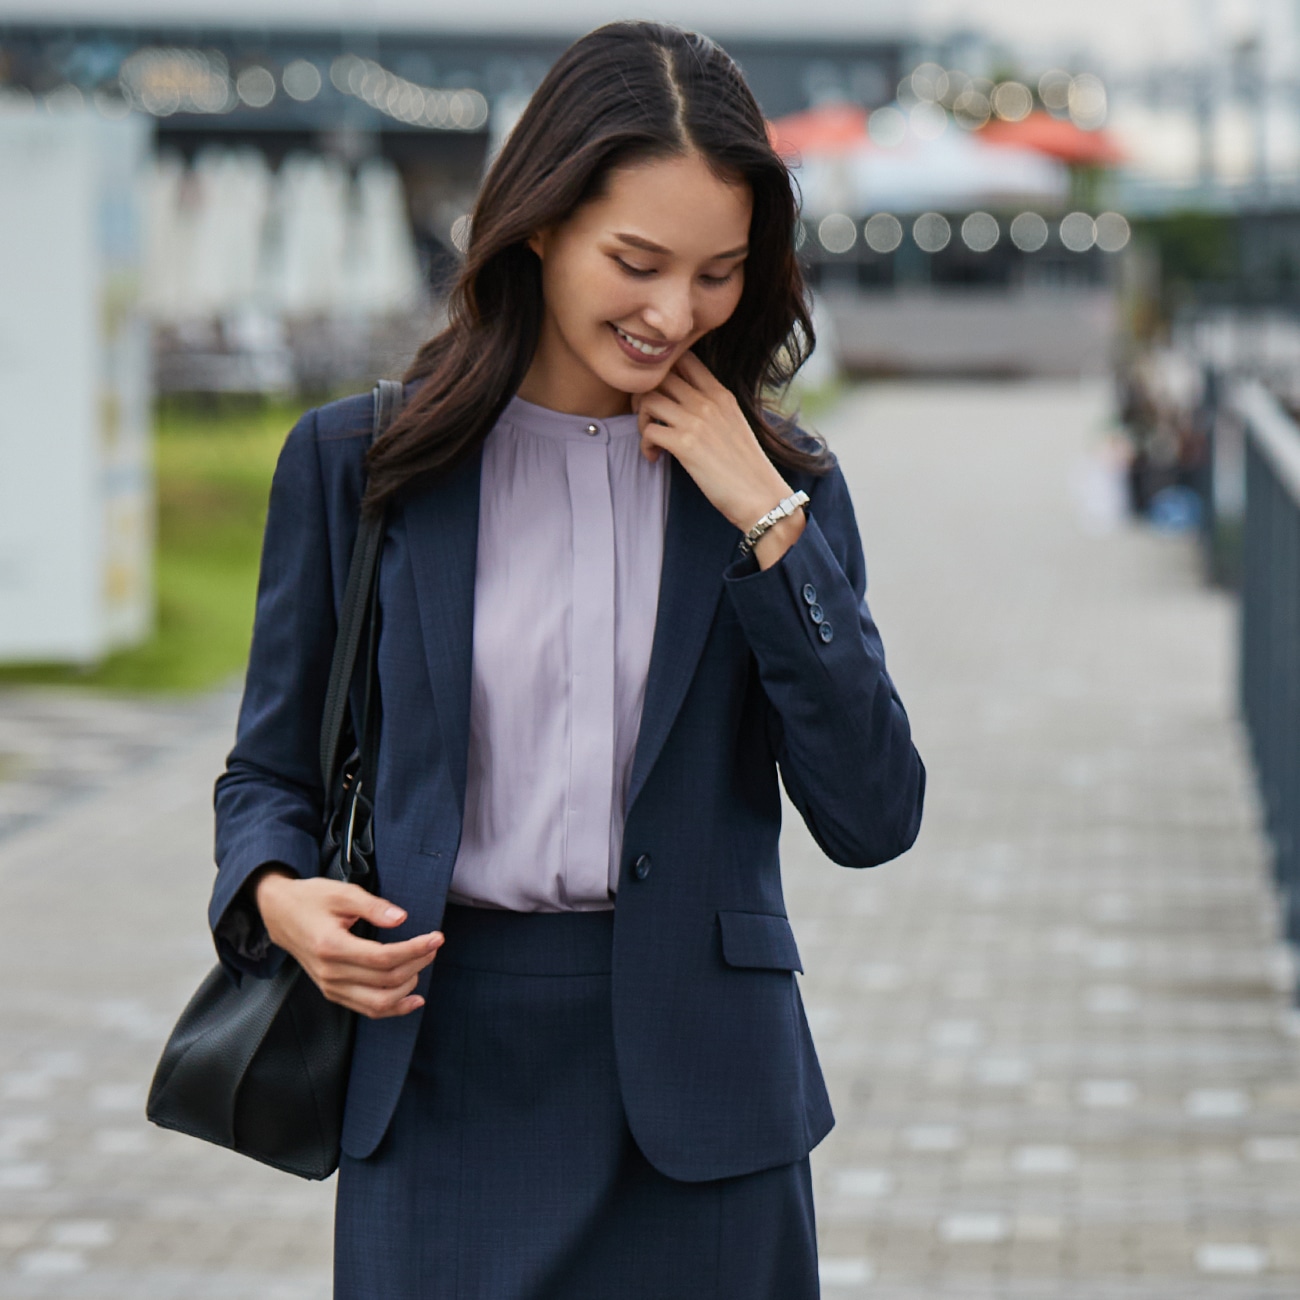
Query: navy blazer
x: 750, y: 671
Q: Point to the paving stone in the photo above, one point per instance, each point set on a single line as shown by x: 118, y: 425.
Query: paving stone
x: 973, y: 1226
x: 845, y: 1271
x: 1231, y: 1257
x: 58, y: 746
x: 1273, y: 1150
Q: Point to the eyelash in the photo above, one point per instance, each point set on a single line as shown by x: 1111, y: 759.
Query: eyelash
x: 640, y: 273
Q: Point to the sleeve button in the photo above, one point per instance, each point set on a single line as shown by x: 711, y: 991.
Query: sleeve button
x: 816, y: 614
x: 826, y: 632
x: 809, y: 594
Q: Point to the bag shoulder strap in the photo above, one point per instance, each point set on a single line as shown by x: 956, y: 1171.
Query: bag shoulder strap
x: 355, y: 615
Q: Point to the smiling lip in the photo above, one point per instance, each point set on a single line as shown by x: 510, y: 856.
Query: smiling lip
x: 634, y: 353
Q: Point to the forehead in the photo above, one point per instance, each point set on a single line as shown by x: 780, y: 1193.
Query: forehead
x: 680, y: 203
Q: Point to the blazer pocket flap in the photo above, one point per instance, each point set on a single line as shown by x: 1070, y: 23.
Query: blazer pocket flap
x: 758, y: 939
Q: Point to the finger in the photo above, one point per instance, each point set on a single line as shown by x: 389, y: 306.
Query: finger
x: 402, y: 1008
x: 341, y: 988
x: 657, y: 410
x: 378, y: 1003
x: 375, y: 1005
x: 406, y: 1006
x: 655, y: 438
x: 343, y: 948
x: 675, y: 387
x: 663, y: 434
x: 352, y: 900
x: 368, y: 954
x: 695, y: 372
x: 376, y: 977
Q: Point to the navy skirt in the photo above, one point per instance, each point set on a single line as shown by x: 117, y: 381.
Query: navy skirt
x: 509, y: 1172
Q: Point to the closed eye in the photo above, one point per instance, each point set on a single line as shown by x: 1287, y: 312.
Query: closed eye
x: 640, y: 272
x: 644, y: 272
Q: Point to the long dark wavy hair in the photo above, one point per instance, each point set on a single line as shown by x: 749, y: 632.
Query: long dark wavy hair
x: 625, y: 93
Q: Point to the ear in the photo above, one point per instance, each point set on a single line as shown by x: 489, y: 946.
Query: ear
x: 537, y: 242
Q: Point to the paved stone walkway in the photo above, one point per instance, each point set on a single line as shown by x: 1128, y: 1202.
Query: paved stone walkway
x: 57, y: 746
x: 1055, y: 1033
x: 102, y: 940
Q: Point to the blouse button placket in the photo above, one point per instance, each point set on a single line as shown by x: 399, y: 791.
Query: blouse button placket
x: 591, y: 651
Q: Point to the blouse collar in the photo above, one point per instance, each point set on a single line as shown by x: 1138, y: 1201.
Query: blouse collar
x: 541, y: 420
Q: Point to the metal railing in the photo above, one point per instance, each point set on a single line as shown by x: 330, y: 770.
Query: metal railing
x: 1270, y: 626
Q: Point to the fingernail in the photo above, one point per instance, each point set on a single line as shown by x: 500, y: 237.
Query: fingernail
x: 435, y: 939
x: 393, y: 914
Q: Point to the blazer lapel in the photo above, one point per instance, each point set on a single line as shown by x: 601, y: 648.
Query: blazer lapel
x: 699, y: 542
x: 442, y: 532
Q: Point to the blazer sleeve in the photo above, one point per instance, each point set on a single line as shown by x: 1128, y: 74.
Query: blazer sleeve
x: 269, y: 800
x: 842, y: 738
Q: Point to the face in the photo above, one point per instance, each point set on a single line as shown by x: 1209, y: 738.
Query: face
x: 632, y: 279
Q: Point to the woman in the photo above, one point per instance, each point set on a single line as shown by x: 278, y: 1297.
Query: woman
x: 588, y: 687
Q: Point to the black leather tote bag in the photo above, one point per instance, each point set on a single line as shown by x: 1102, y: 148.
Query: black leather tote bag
x: 261, y: 1067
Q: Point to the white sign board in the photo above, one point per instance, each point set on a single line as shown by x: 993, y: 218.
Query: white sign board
x: 76, y: 492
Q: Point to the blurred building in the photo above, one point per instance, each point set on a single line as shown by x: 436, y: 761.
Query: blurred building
x: 310, y: 187
x: 962, y: 227
x: 304, y: 213
x: 431, y: 104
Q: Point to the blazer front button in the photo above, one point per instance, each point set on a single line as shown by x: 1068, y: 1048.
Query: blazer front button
x: 826, y: 632
x: 641, y: 867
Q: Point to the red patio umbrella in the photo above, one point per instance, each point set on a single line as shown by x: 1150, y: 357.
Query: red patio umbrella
x: 1058, y: 138
x: 828, y: 128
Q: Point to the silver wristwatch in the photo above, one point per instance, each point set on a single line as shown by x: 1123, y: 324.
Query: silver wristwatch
x: 783, y: 511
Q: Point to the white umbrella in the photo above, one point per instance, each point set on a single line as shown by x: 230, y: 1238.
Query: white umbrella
x: 953, y: 173
x: 234, y: 191
x: 383, y: 268
x: 164, y: 279
x: 307, y: 236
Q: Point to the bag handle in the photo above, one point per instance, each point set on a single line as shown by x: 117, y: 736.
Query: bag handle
x: 358, y: 615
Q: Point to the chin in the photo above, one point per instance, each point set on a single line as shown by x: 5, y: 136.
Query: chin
x: 642, y: 382
x: 632, y: 379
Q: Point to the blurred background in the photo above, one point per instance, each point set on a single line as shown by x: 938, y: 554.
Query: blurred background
x: 1055, y: 256
x: 213, y: 215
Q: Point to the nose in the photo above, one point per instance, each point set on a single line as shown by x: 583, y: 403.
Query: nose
x: 669, y: 311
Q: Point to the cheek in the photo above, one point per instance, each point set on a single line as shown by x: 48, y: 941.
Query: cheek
x: 586, y: 286
x: 587, y: 296
x: 718, y: 307
x: 612, y: 296
x: 568, y: 279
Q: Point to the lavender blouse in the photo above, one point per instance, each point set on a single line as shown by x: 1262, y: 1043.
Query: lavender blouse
x: 570, y: 545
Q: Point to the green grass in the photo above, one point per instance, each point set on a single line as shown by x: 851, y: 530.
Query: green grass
x: 810, y: 402
x: 213, y: 468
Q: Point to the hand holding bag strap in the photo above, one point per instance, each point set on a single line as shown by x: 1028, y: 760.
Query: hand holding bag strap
x: 261, y: 1067
x: 357, y: 616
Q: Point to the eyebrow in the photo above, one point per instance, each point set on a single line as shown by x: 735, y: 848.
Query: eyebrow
x: 648, y: 246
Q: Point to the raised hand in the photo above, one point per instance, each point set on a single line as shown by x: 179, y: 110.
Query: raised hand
x: 696, y: 418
